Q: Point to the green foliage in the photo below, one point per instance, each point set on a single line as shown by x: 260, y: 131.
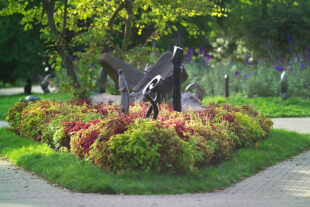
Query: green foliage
x: 268, y: 106
x: 19, y: 51
x: 14, y: 115
x: 257, y: 78
x: 82, y: 30
x: 144, y: 146
x: 265, y: 26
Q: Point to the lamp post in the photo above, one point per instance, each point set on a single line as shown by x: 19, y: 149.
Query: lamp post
x: 176, y: 59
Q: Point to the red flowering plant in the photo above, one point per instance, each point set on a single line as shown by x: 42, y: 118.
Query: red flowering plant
x: 111, y: 125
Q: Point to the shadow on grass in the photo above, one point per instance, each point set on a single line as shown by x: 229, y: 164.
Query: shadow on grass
x: 79, y: 175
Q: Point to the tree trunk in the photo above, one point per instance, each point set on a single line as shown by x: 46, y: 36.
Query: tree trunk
x: 60, y: 41
x: 128, y: 8
x: 102, y: 81
x: 264, y: 9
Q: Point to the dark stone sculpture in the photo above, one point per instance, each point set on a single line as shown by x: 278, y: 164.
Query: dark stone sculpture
x: 30, y: 98
x: 177, y: 58
x: 153, y: 87
x: 164, y: 68
x: 284, y: 85
x: 111, y: 64
x: 27, y: 88
x: 44, y: 83
x: 200, y: 90
x: 226, y: 94
x: 123, y: 88
x: 102, y: 81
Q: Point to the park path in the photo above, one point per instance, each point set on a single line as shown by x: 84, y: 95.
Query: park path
x: 19, y: 90
x: 284, y: 185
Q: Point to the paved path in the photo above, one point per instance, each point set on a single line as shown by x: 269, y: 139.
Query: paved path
x: 19, y: 90
x: 301, y: 125
x: 3, y: 124
x: 284, y: 185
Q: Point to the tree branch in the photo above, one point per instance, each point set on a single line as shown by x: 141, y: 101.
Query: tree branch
x: 111, y: 20
x: 49, y: 9
x: 65, y: 18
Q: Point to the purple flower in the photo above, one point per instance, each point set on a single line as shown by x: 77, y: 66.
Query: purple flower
x: 280, y: 69
x: 196, y: 54
x: 293, y: 74
x: 201, y: 50
x: 207, y: 56
x: 298, y: 58
x: 289, y: 39
x: 91, y: 66
x: 302, y: 66
x: 291, y: 69
x: 175, y: 40
x: 190, y: 54
x: 297, y: 44
x: 308, y: 52
x: 246, y: 75
x: 179, y: 37
x: 246, y: 59
x: 236, y: 73
x: 231, y: 63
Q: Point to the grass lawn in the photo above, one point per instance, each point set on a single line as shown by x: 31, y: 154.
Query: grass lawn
x: 6, y: 102
x: 270, y: 106
x: 79, y: 175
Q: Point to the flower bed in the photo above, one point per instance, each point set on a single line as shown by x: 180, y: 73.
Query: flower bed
x: 175, y: 142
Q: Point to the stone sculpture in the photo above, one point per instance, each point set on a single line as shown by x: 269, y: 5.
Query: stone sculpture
x: 164, y: 68
x: 45, y: 82
x: 30, y: 98
x: 111, y: 65
x: 123, y: 88
x: 27, y: 88
x: 200, y: 91
x: 176, y: 59
x: 153, y: 87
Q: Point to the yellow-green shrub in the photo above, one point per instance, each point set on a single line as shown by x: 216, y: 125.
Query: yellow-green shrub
x: 144, y: 146
x: 14, y: 114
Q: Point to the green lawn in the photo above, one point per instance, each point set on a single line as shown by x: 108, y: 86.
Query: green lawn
x: 79, y: 175
x: 270, y: 106
x: 6, y: 102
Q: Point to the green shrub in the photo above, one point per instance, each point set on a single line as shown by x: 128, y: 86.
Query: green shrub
x: 144, y: 146
x: 14, y: 114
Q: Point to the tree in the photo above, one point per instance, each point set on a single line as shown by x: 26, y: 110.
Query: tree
x: 86, y: 28
x: 267, y: 27
x: 19, y: 51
